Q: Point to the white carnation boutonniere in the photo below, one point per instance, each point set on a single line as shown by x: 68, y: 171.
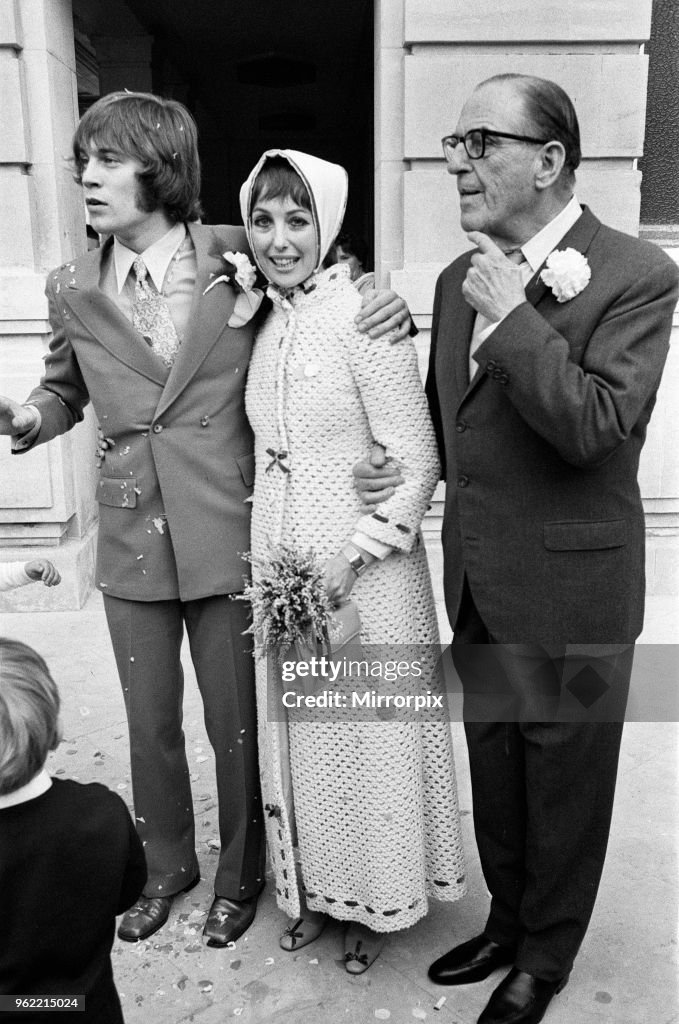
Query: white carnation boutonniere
x: 241, y: 275
x: 567, y: 273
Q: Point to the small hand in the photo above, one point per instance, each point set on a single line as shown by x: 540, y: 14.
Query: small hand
x: 339, y: 578
x: 103, y: 445
x: 376, y: 479
x: 41, y: 569
x: 493, y: 284
x: 15, y: 419
x: 383, y: 311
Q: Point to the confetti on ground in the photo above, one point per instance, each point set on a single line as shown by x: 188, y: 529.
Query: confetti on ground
x: 237, y: 1012
x: 214, y: 844
x: 419, y: 1013
x: 314, y: 961
x: 383, y: 1014
x: 439, y: 1005
x: 269, y: 961
x: 205, y: 986
x: 84, y: 712
x: 121, y: 785
x: 181, y: 982
x: 200, y: 760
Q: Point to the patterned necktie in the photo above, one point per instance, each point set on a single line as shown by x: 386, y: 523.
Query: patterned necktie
x: 151, y: 315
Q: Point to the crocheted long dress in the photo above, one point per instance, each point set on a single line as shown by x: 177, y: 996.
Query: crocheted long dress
x: 375, y: 803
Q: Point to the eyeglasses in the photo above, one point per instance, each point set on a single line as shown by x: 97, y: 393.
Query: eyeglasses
x: 474, y: 142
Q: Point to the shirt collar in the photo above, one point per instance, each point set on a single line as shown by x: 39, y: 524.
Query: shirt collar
x: 537, y: 249
x: 38, y: 785
x: 157, y: 257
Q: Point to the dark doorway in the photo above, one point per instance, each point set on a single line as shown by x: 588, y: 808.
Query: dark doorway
x: 256, y: 74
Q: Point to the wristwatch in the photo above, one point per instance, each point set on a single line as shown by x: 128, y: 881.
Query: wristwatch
x: 356, y: 559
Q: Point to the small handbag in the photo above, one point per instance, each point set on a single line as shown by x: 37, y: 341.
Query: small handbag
x: 345, y: 628
x: 344, y: 632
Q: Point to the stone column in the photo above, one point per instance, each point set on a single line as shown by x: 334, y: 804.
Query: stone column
x: 46, y: 503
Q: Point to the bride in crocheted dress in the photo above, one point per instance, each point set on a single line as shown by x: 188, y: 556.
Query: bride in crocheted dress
x: 363, y: 822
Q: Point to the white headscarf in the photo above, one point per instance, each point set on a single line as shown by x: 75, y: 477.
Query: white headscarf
x: 327, y: 186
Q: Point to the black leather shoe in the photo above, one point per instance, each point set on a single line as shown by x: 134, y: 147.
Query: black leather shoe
x: 471, y: 961
x: 148, y: 915
x: 228, y: 919
x: 520, y: 999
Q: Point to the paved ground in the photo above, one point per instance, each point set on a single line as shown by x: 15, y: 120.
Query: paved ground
x: 626, y: 972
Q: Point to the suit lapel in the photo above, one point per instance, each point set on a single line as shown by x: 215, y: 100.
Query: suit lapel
x: 465, y: 329
x: 579, y: 237
x: 208, y: 317
x: 78, y: 287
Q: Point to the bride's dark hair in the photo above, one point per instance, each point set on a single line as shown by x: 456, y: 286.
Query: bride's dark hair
x: 277, y: 179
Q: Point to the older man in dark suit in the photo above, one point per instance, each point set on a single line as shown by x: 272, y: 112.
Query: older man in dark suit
x: 548, y: 343
x: 156, y: 329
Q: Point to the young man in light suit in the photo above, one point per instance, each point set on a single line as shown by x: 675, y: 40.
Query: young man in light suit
x: 541, y: 387
x: 161, y: 348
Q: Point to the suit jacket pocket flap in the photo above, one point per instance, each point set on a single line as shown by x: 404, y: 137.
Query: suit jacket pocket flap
x: 585, y: 535
x: 117, y: 493
x: 246, y: 464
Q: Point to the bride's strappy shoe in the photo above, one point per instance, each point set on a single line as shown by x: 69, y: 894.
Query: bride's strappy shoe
x: 304, y: 930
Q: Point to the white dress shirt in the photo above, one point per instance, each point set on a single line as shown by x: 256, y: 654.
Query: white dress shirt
x: 535, y: 251
x: 171, y: 265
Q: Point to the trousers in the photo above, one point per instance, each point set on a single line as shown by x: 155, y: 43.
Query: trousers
x: 147, y: 638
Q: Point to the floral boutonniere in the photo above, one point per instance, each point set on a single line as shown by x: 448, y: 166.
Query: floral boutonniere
x: 242, y: 276
x: 567, y: 273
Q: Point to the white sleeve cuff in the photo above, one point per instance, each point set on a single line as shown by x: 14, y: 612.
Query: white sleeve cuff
x: 372, y: 546
x: 487, y: 331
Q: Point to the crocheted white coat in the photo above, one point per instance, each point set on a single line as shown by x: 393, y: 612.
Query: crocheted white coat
x: 375, y: 803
